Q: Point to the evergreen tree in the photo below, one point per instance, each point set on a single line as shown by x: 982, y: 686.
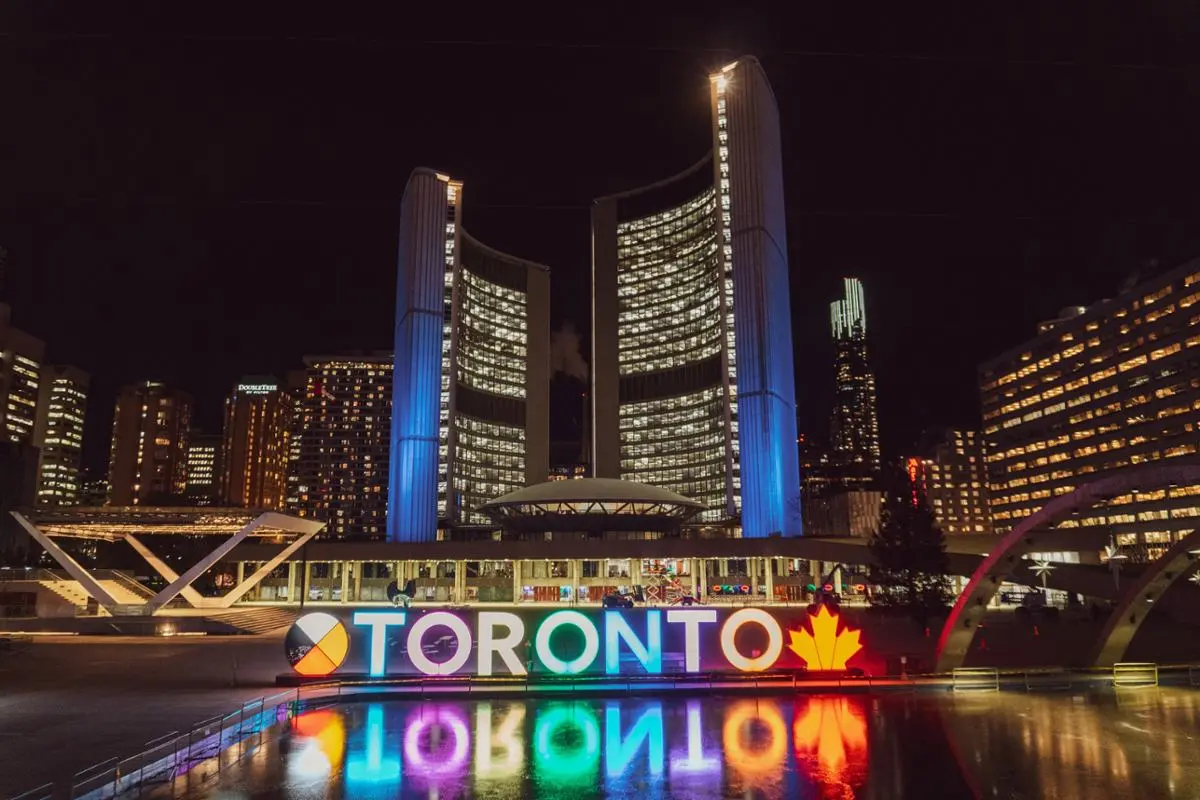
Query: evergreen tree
x: 911, y: 568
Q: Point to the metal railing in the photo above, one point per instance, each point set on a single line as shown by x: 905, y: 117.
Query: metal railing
x: 204, y: 751
x: 976, y: 679
x: 1134, y: 675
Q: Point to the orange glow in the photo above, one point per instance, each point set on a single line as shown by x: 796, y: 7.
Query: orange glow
x: 764, y: 759
x: 832, y: 733
x: 825, y: 648
x: 328, y: 731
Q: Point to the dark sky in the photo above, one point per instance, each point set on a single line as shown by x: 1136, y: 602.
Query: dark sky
x: 194, y: 198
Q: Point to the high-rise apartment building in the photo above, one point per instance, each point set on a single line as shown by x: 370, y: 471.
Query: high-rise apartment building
x: 202, y: 484
x: 1098, y: 390
x: 254, y: 453
x: 854, y: 428
x: 58, y: 434
x: 148, y: 459
x: 341, y: 466
x: 692, y: 374
x: 950, y: 476
x: 471, y: 412
x: 20, y: 379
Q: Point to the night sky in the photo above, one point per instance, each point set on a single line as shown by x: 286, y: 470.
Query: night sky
x: 193, y: 199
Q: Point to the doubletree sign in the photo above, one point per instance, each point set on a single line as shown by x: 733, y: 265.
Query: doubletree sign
x: 378, y: 642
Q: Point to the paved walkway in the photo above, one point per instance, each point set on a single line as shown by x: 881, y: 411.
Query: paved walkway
x: 67, y: 703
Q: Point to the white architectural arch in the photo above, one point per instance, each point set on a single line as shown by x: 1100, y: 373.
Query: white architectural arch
x: 1004, y: 560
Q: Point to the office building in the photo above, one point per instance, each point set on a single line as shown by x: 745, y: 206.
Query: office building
x: 950, y: 476
x: 147, y: 462
x: 20, y: 379
x: 202, y: 486
x: 692, y: 376
x: 254, y: 452
x: 58, y: 434
x: 471, y: 412
x: 342, y: 461
x: 1101, y: 389
x: 854, y: 428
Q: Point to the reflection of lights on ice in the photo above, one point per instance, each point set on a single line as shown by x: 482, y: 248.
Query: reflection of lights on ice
x: 324, y: 741
x: 750, y: 754
x: 506, y: 736
x: 695, y: 761
x: 373, y: 767
x: 620, y: 751
x: 831, y: 728
x: 435, y: 760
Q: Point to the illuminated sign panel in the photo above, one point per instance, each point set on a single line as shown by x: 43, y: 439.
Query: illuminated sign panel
x: 257, y: 388
x: 380, y: 642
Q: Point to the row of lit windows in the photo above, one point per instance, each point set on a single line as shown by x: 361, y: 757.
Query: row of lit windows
x: 1075, y: 349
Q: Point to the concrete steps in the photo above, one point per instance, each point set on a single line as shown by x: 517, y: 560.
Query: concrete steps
x: 71, y: 591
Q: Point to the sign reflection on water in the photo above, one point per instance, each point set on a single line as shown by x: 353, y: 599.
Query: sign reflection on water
x: 696, y: 748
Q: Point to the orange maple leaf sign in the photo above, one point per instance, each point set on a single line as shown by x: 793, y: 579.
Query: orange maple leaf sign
x: 825, y: 648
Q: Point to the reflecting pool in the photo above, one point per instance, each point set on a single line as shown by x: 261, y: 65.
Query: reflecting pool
x: 1145, y: 744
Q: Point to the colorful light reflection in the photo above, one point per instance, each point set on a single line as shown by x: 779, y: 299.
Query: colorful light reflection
x: 830, y: 734
x: 435, y: 747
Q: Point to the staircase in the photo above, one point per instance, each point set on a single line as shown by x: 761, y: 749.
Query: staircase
x: 71, y: 591
x: 256, y: 620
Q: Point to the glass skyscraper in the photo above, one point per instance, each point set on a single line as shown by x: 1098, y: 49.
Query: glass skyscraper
x: 471, y: 394
x: 855, y: 424
x: 693, y: 385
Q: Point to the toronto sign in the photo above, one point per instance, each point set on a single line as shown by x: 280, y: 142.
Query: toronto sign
x: 378, y: 642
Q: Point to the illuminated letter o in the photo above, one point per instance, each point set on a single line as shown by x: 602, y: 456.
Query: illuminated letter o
x: 462, y: 635
x: 591, y: 642
x: 774, y: 639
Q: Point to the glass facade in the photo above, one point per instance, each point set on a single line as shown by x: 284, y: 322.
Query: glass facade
x: 490, y: 348
x: 854, y: 430
x: 1105, y: 388
x: 490, y: 345
x: 693, y: 387
x: 671, y: 326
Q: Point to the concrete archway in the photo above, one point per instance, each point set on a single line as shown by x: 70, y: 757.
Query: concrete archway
x: 1004, y: 560
x: 1140, y: 597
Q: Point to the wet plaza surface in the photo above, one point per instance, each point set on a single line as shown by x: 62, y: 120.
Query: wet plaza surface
x: 1143, y: 744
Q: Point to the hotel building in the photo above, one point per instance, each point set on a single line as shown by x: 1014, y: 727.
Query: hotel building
x: 692, y: 375
x: 254, y: 450
x: 147, y: 464
x: 58, y: 434
x: 951, y: 477
x: 1100, y: 389
x: 471, y: 413
x: 854, y: 428
x: 341, y: 464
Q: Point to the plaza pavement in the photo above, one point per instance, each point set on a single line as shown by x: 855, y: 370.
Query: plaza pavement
x: 67, y: 703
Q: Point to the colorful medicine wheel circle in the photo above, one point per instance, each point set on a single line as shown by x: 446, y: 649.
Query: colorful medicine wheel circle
x: 317, y: 644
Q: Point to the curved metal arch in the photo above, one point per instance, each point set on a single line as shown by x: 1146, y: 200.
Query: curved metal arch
x: 1137, y: 601
x: 1003, y: 561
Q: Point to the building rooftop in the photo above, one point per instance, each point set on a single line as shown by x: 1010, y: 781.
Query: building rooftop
x: 591, y: 504
x: 113, y: 523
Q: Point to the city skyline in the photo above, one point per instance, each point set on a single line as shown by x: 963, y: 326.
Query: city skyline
x: 888, y: 175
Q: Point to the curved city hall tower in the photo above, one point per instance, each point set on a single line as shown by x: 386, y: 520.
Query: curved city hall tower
x: 693, y: 386
x: 470, y: 404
